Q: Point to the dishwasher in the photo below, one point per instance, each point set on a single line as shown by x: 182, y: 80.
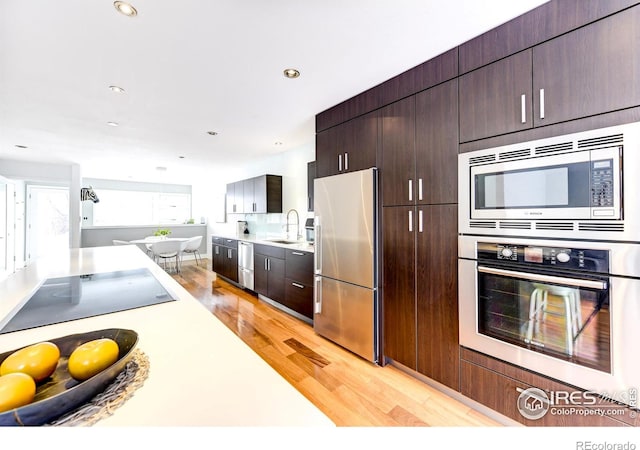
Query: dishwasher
x: 245, y: 264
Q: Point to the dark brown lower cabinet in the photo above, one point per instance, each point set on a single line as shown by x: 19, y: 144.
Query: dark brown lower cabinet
x: 225, y: 257
x: 420, y: 302
x: 268, y: 272
x: 498, y: 385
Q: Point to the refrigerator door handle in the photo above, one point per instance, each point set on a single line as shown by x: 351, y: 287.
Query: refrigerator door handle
x: 317, y: 254
x: 317, y: 296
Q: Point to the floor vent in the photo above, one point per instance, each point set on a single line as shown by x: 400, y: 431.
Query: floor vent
x: 607, y: 227
x: 568, y: 226
x: 480, y: 224
x: 516, y: 225
x: 555, y: 148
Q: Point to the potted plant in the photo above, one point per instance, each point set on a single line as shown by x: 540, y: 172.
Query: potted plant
x: 162, y: 232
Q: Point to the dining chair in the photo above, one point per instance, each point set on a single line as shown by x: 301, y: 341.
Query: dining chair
x: 193, y: 247
x: 165, y: 250
x: 119, y: 242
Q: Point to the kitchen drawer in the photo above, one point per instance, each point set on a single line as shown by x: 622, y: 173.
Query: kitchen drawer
x: 219, y: 240
x: 299, y: 266
x: 269, y: 250
x: 498, y: 385
x: 299, y: 297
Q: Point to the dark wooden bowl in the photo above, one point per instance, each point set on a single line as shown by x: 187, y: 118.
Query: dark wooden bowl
x: 59, y: 394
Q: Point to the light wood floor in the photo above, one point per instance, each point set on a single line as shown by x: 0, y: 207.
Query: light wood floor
x: 348, y: 389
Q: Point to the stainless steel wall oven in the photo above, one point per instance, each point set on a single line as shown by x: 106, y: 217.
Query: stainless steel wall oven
x: 549, y: 256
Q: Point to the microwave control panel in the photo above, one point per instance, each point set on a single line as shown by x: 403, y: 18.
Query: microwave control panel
x: 534, y: 255
x: 602, y: 194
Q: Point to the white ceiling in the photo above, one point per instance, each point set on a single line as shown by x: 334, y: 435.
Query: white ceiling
x: 191, y: 66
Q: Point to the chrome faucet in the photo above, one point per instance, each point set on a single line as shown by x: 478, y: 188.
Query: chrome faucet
x: 298, y: 235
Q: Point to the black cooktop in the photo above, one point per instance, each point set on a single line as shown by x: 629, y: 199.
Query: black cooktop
x: 81, y: 296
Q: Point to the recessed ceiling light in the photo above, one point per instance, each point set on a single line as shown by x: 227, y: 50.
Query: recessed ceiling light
x: 181, y: 157
x: 278, y: 143
x: 161, y: 168
x: 117, y: 89
x: 21, y: 146
x: 113, y: 124
x: 212, y: 133
x: 291, y: 73
x: 125, y: 8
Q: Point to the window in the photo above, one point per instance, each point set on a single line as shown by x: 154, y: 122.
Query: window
x: 125, y: 207
x: 134, y: 203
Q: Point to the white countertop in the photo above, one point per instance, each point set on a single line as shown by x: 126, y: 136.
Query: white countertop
x: 298, y: 245
x: 200, y: 372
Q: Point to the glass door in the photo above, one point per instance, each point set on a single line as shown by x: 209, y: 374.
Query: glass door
x: 555, y: 314
x: 47, y: 220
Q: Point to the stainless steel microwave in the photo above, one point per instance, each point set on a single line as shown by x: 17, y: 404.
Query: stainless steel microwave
x: 554, y: 187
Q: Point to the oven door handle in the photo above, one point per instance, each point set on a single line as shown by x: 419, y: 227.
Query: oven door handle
x: 589, y: 284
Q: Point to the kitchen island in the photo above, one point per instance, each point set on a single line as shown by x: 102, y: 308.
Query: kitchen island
x: 200, y: 373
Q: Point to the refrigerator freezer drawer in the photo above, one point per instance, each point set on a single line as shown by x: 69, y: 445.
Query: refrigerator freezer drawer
x: 346, y: 314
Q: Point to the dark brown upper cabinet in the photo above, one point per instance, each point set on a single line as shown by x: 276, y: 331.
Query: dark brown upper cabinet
x: 259, y: 195
x: 589, y: 71
x: 399, y: 152
x: 437, y: 144
x: 347, y: 147
x: 420, y: 148
x: 496, y: 99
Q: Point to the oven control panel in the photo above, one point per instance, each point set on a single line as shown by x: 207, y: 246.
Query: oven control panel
x: 534, y: 255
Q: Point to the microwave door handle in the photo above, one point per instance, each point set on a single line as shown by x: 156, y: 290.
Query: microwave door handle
x: 575, y: 282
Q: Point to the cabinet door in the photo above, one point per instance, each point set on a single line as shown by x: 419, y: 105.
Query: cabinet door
x: 357, y: 143
x: 299, y: 297
x: 437, y: 299
x: 260, y: 275
x: 217, y: 259
x: 231, y: 263
x: 299, y: 266
x: 398, y: 153
x: 398, y: 284
x: 437, y: 144
x: 276, y: 280
x: 326, y: 153
x: 589, y: 71
x: 231, y: 198
x: 248, y: 198
x: 492, y: 98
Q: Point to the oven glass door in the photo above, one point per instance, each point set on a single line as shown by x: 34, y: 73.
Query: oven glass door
x: 547, y: 312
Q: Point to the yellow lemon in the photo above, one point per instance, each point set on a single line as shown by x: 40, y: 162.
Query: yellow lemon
x: 92, y: 357
x: 16, y: 389
x: 38, y: 360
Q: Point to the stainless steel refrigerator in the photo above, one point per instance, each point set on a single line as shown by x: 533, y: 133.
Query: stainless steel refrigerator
x: 346, y: 259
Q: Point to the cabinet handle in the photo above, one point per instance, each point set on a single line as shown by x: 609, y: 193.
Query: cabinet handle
x: 410, y: 221
x: 542, y: 103
x: 346, y: 161
x: 265, y: 264
x: 297, y: 285
x: 419, y: 188
x: 340, y: 162
x: 410, y: 190
x: 268, y: 264
x: 420, y: 221
x: 317, y: 296
x: 297, y: 253
x: 229, y: 253
x: 217, y: 250
x: 523, y: 108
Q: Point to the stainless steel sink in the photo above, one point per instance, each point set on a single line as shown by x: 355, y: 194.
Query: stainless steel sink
x: 283, y: 241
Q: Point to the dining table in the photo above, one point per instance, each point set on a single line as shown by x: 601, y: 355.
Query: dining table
x: 149, y: 240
